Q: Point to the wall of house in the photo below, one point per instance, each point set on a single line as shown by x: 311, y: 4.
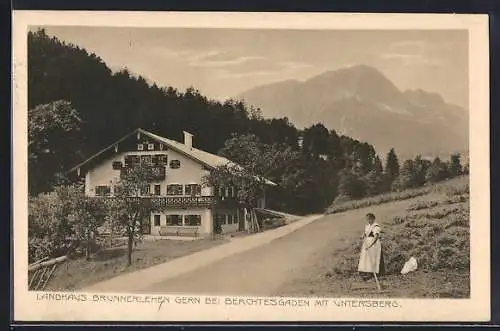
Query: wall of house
x: 189, y: 172
x: 103, y: 174
x: 229, y: 224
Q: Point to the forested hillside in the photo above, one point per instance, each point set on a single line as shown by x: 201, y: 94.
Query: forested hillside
x: 78, y: 106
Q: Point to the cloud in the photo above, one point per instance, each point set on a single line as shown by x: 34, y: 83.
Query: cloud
x: 233, y: 63
x: 293, y: 65
x: 231, y: 75
x: 221, y: 58
x: 408, y: 43
x: 401, y: 56
x: 259, y: 67
x: 168, y: 53
x: 219, y: 62
x: 410, y: 59
x: 412, y: 46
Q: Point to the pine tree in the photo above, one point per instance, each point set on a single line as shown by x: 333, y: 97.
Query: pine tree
x: 437, y: 171
x: 374, y: 180
x: 420, y: 167
x: 317, y: 140
x: 406, y: 177
x: 455, y: 166
x: 350, y: 185
x: 466, y: 169
x: 391, y: 167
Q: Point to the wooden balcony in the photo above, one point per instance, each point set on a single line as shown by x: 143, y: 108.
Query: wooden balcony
x: 201, y: 201
x: 171, y: 202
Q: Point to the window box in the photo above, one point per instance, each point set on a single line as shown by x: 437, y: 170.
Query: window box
x: 158, y: 172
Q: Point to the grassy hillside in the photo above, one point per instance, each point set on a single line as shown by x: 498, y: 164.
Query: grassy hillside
x: 433, y: 227
x: 446, y: 187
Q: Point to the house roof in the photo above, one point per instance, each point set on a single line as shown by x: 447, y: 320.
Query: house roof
x: 208, y: 159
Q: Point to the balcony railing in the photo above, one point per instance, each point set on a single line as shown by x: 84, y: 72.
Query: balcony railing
x: 184, y: 201
x: 171, y: 202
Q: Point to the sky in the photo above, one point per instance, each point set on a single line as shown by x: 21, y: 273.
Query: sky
x: 221, y: 63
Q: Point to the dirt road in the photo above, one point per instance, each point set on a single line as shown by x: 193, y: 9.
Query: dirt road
x: 263, y: 270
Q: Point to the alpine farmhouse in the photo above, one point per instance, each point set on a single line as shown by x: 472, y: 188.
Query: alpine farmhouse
x: 190, y: 208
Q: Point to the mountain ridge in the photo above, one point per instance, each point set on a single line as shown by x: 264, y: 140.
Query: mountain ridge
x: 360, y: 101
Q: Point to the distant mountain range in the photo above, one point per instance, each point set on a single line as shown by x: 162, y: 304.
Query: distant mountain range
x: 361, y: 102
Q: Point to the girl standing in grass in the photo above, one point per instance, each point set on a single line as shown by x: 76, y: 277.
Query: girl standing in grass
x: 370, y: 258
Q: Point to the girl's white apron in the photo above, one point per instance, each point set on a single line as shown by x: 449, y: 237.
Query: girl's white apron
x: 369, y: 260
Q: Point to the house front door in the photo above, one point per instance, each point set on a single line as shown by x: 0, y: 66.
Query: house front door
x: 146, y: 225
x: 241, y: 219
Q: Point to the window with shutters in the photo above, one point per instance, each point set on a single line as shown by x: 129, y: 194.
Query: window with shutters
x: 231, y: 219
x: 162, y: 159
x: 175, y: 164
x: 193, y: 190
x: 192, y: 220
x: 145, y: 190
x: 102, y: 190
x: 132, y: 160
x: 174, y: 220
x: 220, y: 219
x: 147, y: 160
x: 227, y: 191
x: 174, y: 189
x: 117, y: 165
x: 157, y: 189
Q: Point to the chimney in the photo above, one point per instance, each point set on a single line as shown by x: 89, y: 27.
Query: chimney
x: 188, y: 139
x: 300, y: 142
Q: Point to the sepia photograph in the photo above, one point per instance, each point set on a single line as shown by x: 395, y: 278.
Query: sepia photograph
x: 250, y: 171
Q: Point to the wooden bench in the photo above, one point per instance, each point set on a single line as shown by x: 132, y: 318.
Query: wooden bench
x: 165, y: 231
x: 162, y: 232
x: 188, y: 232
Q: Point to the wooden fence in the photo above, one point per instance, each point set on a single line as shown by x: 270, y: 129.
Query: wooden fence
x: 40, y: 272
